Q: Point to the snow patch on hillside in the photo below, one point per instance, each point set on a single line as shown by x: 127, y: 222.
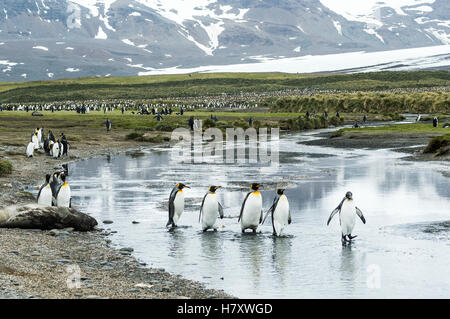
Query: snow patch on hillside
x: 101, y: 34
x: 425, y: 57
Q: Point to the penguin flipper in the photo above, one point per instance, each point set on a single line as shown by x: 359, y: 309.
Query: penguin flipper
x: 243, y: 205
x: 173, y: 194
x: 220, y: 211
x: 271, y: 209
x: 289, y: 218
x: 201, y: 207
x: 40, y: 189
x: 267, y: 214
x: 360, y: 215
x: 336, y: 210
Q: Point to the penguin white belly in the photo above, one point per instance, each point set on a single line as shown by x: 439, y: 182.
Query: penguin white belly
x: 39, y: 137
x: 55, y: 150
x: 35, y: 141
x: 348, y: 216
x: 281, y: 215
x: 61, y: 150
x: 30, y: 149
x: 252, y: 212
x: 63, y: 199
x: 210, y: 211
x: 179, y: 206
x: 45, y: 197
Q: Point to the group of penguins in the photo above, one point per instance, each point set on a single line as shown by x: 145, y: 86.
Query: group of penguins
x: 55, y: 191
x: 251, y: 215
x: 51, y: 146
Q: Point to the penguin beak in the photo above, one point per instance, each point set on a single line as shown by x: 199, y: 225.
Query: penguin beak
x: 185, y: 186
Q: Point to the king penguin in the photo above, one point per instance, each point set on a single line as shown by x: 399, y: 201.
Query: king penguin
x: 347, y: 211
x: 30, y: 149
x: 251, y: 210
x: 208, y: 210
x: 54, y: 186
x: 281, y: 215
x: 45, y: 195
x: 35, y: 140
x: 55, y: 150
x: 63, y: 197
x: 176, y: 204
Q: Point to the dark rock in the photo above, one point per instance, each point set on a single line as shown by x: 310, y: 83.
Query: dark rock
x: 34, y: 216
x: 108, y: 222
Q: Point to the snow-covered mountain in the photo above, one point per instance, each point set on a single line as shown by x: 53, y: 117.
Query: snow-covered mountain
x: 45, y: 39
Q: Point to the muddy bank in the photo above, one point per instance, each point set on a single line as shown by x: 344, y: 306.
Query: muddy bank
x: 38, y: 264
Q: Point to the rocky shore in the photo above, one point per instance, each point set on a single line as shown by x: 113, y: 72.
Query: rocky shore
x: 71, y: 264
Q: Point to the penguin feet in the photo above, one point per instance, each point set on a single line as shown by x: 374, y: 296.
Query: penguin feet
x: 344, y: 240
x: 351, y: 237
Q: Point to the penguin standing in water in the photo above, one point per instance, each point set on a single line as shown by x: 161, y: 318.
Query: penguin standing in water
x: 63, y: 196
x: 281, y: 215
x: 176, y: 204
x: 251, y: 210
x: 45, y: 194
x: 208, y: 210
x: 347, y: 211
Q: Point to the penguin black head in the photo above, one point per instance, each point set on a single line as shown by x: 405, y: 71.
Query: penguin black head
x: 63, y: 177
x: 349, y: 195
x: 212, y: 189
x: 255, y: 186
x: 280, y: 191
x: 181, y: 186
x: 47, y: 178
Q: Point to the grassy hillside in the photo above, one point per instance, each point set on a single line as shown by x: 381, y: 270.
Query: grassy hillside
x: 212, y: 84
x: 362, y: 102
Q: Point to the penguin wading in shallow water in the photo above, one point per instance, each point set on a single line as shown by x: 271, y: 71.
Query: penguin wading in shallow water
x: 45, y: 194
x: 63, y: 197
x: 251, y: 210
x: 176, y: 204
x: 281, y: 215
x: 208, y: 210
x: 347, y: 211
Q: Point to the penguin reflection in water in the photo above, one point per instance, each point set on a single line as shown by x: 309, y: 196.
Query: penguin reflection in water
x: 251, y: 210
x: 209, y: 209
x: 281, y: 215
x: 347, y: 211
x: 176, y: 204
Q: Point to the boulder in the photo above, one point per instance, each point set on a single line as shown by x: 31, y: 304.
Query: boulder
x: 35, y: 216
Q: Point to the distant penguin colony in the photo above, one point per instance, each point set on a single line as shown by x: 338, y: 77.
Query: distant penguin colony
x: 251, y: 214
